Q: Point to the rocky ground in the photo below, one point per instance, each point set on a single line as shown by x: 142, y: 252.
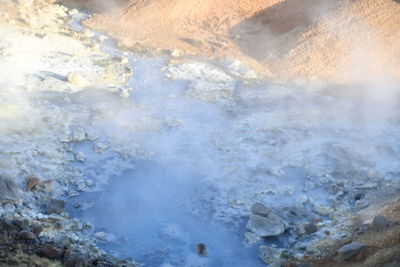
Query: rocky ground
x: 42, y: 55
x: 60, y: 90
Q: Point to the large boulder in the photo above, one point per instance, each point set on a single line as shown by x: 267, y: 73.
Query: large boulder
x: 265, y: 221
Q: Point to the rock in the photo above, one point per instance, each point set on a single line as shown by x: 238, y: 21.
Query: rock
x: 201, y: 249
x: 46, y: 186
x: 265, y: 222
x: 26, y: 235
x: 78, y: 135
x: 50, y: 253
x: 31, y: 182
x: 74, y: 262
x: 270, y: 255
x: 8, y: 188
x: 350, y: 250
x: 55, y: 206
x: 362, y: 203
x: 77, y: 80
x: 310, y: 228
x: 37, y: 230
x: 7, y: 225
x: 80, y: 157
x: 324, y: 210
x: 251, y: 238
x: 380, y: 222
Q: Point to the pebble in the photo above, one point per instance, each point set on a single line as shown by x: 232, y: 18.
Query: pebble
x: 310, y: 228
x: 350, y: 250
x: 201, y: 249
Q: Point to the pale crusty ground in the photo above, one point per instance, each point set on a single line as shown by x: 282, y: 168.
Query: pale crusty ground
x: 289, y: 40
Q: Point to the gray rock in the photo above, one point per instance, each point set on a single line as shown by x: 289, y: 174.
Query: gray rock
x: 310, y: 228
x: 270, y: 255
x: 8, y: 188
x: 55, y: 206
x: 265, y: 222
x: 380, y: 222
x: 350, y: 250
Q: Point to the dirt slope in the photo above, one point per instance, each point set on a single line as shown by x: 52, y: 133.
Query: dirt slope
x: 303, y: 40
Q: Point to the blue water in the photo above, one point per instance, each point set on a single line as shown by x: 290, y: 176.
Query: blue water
x: 158, y: 217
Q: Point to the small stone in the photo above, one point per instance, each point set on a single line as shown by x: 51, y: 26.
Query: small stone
x: 324, y: 210
x: 362, y: 203
x: 78, y: 135
x: 50, y: 253
x: 26, y: 235
x: 78, y: 80
x: 350, y: 250
x: 80, y: 157
x: 201, y: 250
x: 100, y: 147
x: 55, y: 206
x: 46, y: 186
x: 251, y: 238
x: 380, y: 222
x: 270, y: 255
x: 31, y: 182
x: 310, y: 228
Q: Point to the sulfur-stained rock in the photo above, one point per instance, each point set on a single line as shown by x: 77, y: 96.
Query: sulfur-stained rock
x: 31, y: 182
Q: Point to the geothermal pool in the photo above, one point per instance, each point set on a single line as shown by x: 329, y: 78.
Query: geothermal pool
x: 195, y: 144
x: 160, y: 217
